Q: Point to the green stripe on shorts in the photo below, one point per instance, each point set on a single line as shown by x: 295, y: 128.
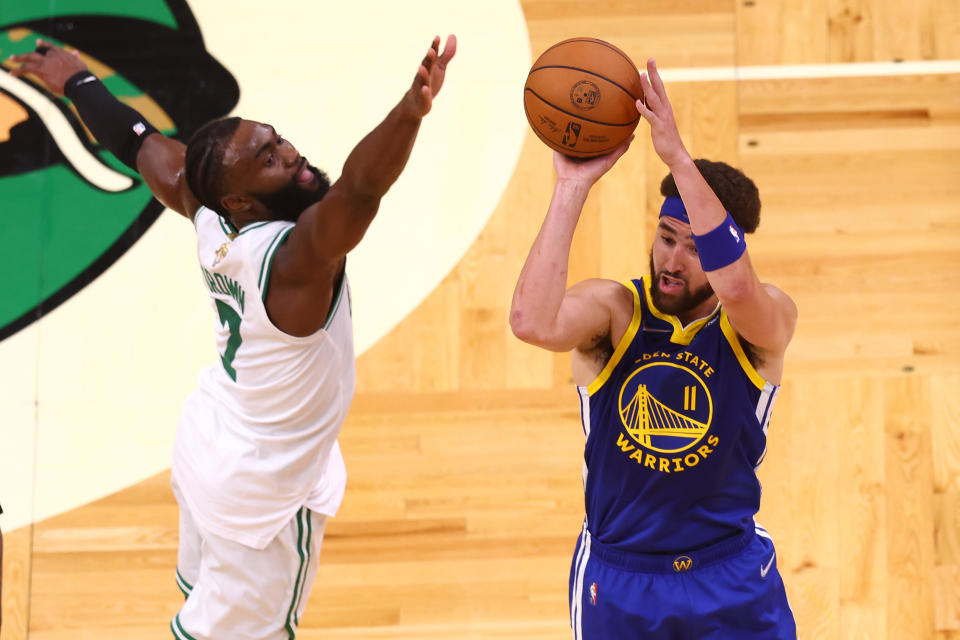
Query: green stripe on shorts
x: 301, y: 573
x: 306, y: 568
x: 178, y: 631
x: 182, y: 584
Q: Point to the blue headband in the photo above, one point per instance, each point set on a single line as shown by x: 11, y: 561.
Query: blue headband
x: 673, y: 207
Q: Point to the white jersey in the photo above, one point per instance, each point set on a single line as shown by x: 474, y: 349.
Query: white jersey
x: 257, y: 440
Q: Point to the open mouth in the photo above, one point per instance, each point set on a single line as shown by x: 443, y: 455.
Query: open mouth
x: 671, y: 285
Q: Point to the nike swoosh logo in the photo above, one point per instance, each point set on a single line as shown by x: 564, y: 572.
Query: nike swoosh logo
x: 765, y: 569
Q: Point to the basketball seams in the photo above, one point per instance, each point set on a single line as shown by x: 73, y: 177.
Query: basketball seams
x: 592, y: 73
x: 569, y: 152
x: 578, y: 116
x: 592, y: 41
x: 573, y: 61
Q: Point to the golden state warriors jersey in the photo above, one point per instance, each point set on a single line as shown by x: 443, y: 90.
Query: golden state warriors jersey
x: 675, y: 428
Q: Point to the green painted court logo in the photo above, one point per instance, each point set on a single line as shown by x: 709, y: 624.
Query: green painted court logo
x: 68, y: 208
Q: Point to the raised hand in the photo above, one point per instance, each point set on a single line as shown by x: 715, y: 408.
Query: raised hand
x: 590, y: 170
x: 656, y: 110
x: 430, y: 75
x: 51, y: 64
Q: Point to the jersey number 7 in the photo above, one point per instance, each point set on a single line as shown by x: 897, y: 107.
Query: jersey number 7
x: 230, y: 318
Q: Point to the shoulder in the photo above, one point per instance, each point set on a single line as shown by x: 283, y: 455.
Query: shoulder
x: 781, y: 299
x: 617, y: 296
x: 198, y: 214
x: 767, y: 362
x: 786, y: 314
x: 260, y: 242
x: 600, y: 354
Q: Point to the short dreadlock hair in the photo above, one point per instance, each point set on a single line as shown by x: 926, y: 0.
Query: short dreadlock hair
x: 737, y: 192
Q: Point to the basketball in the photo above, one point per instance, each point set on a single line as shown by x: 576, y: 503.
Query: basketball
x: 579, y: 97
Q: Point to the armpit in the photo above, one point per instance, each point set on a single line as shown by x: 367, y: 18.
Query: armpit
x: 753, y: 353
x: 602, y: 350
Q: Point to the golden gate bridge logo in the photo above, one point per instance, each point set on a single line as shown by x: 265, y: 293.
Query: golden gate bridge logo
x: 655, y: 425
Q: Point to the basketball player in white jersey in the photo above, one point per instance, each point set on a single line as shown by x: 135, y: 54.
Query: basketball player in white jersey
x: 256, y: 465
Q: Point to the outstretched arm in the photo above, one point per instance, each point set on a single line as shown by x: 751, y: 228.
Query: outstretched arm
x: 762, y: 314
x: 377, y: 160
x: 120, y: 129
x: 326, y: 231
x: 544, y: 313
x: 308, y: 264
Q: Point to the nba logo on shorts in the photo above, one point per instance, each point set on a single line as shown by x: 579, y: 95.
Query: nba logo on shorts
x: 571, y: 135
x: 593, y: 593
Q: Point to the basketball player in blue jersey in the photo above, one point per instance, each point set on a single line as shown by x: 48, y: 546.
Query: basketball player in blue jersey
x: 256, y: 465
x: 677, y: 373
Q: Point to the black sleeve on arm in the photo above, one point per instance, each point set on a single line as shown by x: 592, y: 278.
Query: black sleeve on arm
x: 120, y: 129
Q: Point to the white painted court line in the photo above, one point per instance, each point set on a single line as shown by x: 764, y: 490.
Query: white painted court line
x: 836, y: 70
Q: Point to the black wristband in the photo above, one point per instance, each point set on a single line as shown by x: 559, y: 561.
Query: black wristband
x: 76, y: 80
x: 120, y: 129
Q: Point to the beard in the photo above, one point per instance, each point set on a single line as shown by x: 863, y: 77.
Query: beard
x: 289, y: 202
x: 678, y: 303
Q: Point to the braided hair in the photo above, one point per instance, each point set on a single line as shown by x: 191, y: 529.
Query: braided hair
x: 203, y: 165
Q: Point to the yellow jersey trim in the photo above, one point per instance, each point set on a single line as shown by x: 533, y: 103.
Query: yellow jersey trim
x: 681, y: 335
x: 625, y: 341
x: 734, y: 341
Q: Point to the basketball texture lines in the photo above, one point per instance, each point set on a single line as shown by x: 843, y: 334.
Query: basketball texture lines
x: 579, y: 97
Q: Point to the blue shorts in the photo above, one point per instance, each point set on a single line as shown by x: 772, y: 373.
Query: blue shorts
x: 728, y: 591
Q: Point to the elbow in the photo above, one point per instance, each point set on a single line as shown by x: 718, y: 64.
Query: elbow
x: 739, y: 290
x: 535, y: 333
x: 525, y: 328
x: 520, y: 326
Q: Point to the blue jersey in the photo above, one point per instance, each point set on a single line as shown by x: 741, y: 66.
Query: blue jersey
x: 675, y: 427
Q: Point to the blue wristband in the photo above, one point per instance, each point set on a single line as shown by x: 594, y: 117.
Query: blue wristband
x: 720, y: 247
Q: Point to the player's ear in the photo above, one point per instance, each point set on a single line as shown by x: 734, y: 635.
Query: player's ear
x: 234, y: 203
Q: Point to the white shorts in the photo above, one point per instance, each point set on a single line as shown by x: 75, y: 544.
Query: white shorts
x: 238, y: 592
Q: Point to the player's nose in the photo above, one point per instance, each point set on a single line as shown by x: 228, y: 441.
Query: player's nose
x: 673, y: 262
x: 289, y: 155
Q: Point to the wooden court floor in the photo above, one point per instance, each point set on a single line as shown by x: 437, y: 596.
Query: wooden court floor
x: 464, y: 445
